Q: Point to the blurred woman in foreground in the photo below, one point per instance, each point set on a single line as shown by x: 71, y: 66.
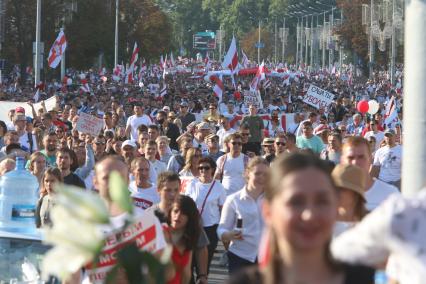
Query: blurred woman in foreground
x: 299, y: 210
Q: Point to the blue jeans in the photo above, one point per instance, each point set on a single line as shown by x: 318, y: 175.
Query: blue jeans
x: 236, y: 263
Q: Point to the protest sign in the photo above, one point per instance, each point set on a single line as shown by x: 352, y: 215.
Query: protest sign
x: 5, y: 106
x: 143, y: 232
x: 318, y: 98
x: 253, y: 98
x: 89, y: 124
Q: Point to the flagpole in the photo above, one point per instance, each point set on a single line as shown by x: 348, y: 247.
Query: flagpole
x: 37, y: 47
x: 116, y: 34
x: 258, y: 47
x: 62, y: 62
x: 283, y: 38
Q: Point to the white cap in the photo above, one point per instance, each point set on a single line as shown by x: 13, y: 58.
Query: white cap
x: 129, y: 143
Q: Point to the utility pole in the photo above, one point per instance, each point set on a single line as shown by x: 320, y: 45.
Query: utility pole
x: 414, y: 158
x: 331, y: 50
x: 371, y: 39
x: 324, y: 43
x: 63, y: 60
x: 306, y: 40
x: 297, y: 42
x: 393, y: 45
x: 283, y: 38
x: 37, y: 47
x: 117, y: 8
x: 311, y: 61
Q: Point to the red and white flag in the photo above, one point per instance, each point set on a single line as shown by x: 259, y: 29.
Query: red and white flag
x: 391, y: 112
x: 57, y: 49
x: 245, y: 63
x: 231, y: 58
x: 260, y: 75
x: 218, y: 88
x: 164, y: 67
x: 133, y: 59
x: 172, y: 60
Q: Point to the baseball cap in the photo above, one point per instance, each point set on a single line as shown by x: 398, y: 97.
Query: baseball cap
x: 351, y: 177
x: 389, y: 132
x: 130, y: 143
x: 184, y: 104
x: 20, y: 109
x: 203, y: 126
x: 166, y: 108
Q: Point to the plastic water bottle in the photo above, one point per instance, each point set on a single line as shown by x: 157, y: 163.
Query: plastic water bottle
x: 18, y: 199
x: 380, y: 277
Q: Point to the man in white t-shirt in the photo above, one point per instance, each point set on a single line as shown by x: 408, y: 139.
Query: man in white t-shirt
x: 374, y: 132
x: 143, y: 192
x: 387, y: 160
x: 135, y: 120
x: 224, y: 131
x: 356, y: 151
x: 28, y: 141
x: 142, y: 221
x: 231, y: 166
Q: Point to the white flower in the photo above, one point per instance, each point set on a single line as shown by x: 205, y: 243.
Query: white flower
x: 83, y: 204
x: 119, y: 192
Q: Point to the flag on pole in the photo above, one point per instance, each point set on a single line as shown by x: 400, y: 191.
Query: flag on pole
x: 266, y: 84
x: 133, y: 59
x: 164, y: 67
x: 37, y: 95
x: 391, y: 112
x: 245, y: 63
x: 218, y: 88
x: 57, y: 49
x: 260, y: 75
x: 231, y: 59
x: 172, y: 60
x: 162, y: 92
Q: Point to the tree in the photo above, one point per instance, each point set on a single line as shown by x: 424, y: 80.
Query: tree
x: 249, y: 40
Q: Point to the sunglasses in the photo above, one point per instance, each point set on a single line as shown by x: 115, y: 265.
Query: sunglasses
x: 280, y: 143
x: 236, y: 143
x: 204, y: 168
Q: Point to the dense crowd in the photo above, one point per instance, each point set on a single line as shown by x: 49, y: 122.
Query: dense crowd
x: 275, y: 182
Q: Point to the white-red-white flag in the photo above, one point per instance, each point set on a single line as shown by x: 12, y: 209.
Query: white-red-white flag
x: 133, y: 59
x: 57, y: 49
x: 391, y: 112
x: 260, y: 75
x: 218, y: 88
x: 245, y: 63
x: 231, y: 58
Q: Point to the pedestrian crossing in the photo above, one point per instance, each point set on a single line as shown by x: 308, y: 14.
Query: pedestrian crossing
x: 218, y: 273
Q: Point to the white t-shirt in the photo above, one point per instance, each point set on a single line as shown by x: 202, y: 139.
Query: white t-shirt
x: 233, y: 174
x: 25, y: 142
x: 134, y: 122
x: 144, y: 197
x: 222, y: 133
x: 198, y: 192
x: 389, y: 160
x: 159, y: 167
x: 380, y: 135
x: 378, y: 193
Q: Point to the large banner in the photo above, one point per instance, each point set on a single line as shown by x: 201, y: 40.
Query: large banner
x: 318, y: 98
x: 5, y: 106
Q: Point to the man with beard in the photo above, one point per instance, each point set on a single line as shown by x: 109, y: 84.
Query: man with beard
x: 63, y: 160
x: 49, y: 144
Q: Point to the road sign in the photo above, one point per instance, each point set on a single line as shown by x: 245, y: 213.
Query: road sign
x: 259, y: 45
x: 204, y: 40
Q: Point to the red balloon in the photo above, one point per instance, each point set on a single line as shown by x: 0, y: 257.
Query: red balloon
x: 362, y: 106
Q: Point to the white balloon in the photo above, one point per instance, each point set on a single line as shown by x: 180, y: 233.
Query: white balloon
x: 69, y: 81
x: 373, y: 107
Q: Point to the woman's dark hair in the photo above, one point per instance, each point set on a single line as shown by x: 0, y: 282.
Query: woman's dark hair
x: 50, y: 171
x: 192, y: 229
x: 3, y: 125
x: 209, y: 161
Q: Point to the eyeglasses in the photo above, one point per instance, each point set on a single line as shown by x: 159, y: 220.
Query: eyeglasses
x: 280, y: 143
x: 236, y: 143
x: 200, y: 168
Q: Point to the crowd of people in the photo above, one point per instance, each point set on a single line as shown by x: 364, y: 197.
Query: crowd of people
x: 275, y: 194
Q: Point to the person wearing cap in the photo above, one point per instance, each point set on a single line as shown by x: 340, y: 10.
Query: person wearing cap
x: 388, y: 159
x: 350, y: 181
x: 212, y: 142
x: 185, y: 117
x: 135, y: 120
x: 128, y: 151
x: 168, y: 129
x: 27, y: 140
x: 202, y: 130
x: 268, y: 149
x: 378, y: 135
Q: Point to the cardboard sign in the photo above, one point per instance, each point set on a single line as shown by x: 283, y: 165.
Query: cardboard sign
x: 253, y: 98
x: 143, y: 232
x: 89, y: 124
x: 318, y: 98
x: 5, y: 106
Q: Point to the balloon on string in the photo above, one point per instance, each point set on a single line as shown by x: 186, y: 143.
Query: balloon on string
x: 362, y: 106
x: 373, y: 107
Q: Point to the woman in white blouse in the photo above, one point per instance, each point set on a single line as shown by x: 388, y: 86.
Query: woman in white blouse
x: 241, y: 222
x: 209, y: 195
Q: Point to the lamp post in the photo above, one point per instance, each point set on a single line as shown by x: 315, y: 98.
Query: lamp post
x: 258, y: 48
x: 297, y: 41
x: 37, y: 45
x: 117, y: 8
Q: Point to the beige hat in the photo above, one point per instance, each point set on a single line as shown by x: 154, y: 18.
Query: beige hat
x: 211, y: 136
x: 350, y: 177
x: 268, y: 141
x: 203, y: 126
